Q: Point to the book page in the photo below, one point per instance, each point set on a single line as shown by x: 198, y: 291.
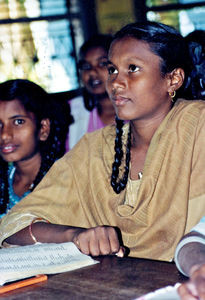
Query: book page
x: 25, y: 261
x: 168, y: 293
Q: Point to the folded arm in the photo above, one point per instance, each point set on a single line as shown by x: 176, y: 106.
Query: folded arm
x: 100, y: 240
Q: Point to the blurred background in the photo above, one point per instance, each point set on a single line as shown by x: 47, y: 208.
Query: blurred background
x: 40, y: 39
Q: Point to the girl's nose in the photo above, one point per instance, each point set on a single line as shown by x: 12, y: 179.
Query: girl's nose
x: 118, y: 83
x: 6, y: 133
x: 93, y: 71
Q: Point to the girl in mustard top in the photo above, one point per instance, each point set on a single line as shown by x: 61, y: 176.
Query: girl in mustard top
x: 146, y: 177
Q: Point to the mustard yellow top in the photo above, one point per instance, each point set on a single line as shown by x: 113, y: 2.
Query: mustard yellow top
x: 171, y: 197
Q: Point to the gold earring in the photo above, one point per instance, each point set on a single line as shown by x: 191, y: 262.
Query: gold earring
x: 172, y: 95
x: 44, y: 136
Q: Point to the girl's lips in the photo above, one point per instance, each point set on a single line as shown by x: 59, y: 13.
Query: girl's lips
x: 7, y: 148
x: 95, y: 82
x: 119, y: 100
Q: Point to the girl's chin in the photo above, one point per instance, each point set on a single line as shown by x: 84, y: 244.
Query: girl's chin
x: 8, y: 158
x: 123, y: 117
x: 96, y: 90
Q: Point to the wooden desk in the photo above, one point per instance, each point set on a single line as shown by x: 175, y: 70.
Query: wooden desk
x: 112, y: 279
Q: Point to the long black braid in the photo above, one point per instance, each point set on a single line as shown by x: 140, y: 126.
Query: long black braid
x: 195, y: 85
x: 119, y: 184
x: 36, y: 100
x: 50, y: 151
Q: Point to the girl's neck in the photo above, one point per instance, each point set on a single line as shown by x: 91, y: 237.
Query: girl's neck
x: 141, y: 137
x: 143, y: 131
x: 25, y: 174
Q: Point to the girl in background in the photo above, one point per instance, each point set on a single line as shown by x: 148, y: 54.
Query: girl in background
x: 31, y: 139
x: 93, y: 109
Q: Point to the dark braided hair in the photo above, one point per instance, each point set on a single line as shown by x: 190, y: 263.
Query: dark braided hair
x: 196, y: 81
x: 36, y: 100
x: 119, y: 184
x: 173, y: 50
x: 4, y: 193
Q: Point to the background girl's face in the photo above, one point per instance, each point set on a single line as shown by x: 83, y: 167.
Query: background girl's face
x: 93, y: 70
x: 135, y: 85
x: 18, y: 132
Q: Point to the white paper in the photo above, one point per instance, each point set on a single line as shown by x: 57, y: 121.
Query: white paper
x: 26, y: 261
x: 168, y: 293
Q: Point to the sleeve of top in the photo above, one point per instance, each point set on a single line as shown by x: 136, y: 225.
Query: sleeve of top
x: 54, y: 196
x: 200, y: 227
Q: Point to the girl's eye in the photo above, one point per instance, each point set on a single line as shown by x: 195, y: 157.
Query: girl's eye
x: 102, y: 64
x: 85, y: 66
x: 19, y: 122
x: 133, y: 68
x: 112, y: 70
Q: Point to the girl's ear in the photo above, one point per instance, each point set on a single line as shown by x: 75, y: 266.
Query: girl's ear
x: 44, y: 130
x: 176, y: 79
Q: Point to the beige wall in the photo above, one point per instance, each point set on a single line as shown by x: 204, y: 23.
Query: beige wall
x: 113, y: 14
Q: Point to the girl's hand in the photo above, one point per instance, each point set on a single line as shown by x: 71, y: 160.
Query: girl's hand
x: 100, y: 240
x: 195, y: 287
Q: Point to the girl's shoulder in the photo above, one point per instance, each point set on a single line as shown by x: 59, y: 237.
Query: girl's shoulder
x: 93, y: 144
x: 189, y: 109
x: 189, y: 104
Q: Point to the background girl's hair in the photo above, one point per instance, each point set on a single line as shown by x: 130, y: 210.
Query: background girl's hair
x: 36, y: 100
x: 4, y: 193
x: 195, y: 87
x: 98, y: 40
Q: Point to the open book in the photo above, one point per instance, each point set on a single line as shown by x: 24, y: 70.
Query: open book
x: 26, y: 261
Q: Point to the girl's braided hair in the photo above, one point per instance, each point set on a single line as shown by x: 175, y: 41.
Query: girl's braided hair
x: 119, y: 184
x: 196, y: 80
x: 36, y: 100
x: 175, y: 52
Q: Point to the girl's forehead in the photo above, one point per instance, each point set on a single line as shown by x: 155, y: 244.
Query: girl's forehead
x: 130, y: 46
x: 14, y: 107
x: 127, y: 41
x: 95, y: 51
